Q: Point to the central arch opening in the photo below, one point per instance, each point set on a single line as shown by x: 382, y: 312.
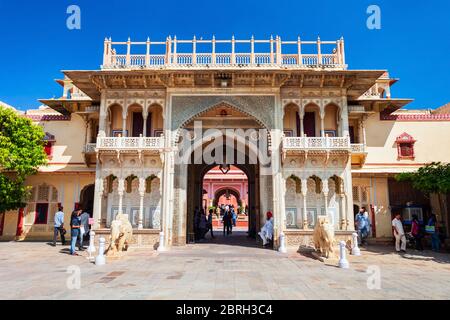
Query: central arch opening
x: 205, y: 195
x: 227, y: 188
x: 233, y: 181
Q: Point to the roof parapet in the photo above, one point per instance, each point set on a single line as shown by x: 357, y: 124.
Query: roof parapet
x: 204, y: 54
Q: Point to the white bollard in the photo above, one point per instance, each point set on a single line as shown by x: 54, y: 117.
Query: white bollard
x: 355, y: 249
x: 343, y: 262
x: 100, y: 260
x: 282, y: 248
x: 161, y: 246
x: 91, y: 248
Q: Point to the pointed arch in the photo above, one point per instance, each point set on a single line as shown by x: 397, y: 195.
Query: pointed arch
x: 222, y: 104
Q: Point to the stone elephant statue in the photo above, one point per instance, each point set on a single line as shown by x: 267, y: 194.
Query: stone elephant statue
x: 121, y: 235
x: 324, y: 237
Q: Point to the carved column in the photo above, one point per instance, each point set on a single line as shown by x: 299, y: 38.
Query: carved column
x: 305, y: 210
x: 325, y: 190
x: 343, y: 219
x: 167, y: 174
x: 363, y: 129
x: 102, y: 115
x: 142, y: 187
x: 277, y: 178
x: 145, y: 117
x: 348, y: 208
x: 322, y: 119
x: 97, y: 214
x: 121, y: 192
x: 344, y: 117
x: 124, y: 125
x: 301, y: 114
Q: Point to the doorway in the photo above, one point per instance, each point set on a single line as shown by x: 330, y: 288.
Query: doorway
x: 87, y: 199
x: 138, y: 125
x: 248, y: 221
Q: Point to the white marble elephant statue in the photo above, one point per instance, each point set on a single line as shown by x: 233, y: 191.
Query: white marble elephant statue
x: 121, y: 235
x: 324, y: 237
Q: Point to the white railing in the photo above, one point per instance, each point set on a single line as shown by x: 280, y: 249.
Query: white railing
x: 157, y: 60
x: 356, y: 109
x: 316, y: 143
x: 289, y: 59
x: 93, y: 109
x: 123, y: 143
x: 273, y: 54
x: 310, y: 59
x: 90, y: 148
x: 137, y: 60
x: 359, y: 148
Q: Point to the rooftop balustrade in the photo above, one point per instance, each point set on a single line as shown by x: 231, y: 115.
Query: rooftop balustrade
x: 274, y: 53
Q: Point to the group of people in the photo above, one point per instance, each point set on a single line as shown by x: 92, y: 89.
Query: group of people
x: 418, y: 232
x: 229, y: 218
x: 416, y: 235
x: 203, y: 223
x: 79, y: 227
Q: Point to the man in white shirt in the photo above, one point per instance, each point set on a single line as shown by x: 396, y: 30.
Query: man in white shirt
x: 266, y: 233
x: 59, y: 226
x: 399, y: 233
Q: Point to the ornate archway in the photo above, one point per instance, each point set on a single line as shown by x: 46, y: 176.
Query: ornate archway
x: 228, y: 191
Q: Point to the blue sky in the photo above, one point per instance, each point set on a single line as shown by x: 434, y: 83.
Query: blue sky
x: 413, y: 43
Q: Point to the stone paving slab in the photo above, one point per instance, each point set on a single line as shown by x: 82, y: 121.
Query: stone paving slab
x: 222, y: 271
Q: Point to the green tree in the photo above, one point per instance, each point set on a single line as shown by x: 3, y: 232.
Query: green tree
x: 21, y: 154
x: 434, y: 178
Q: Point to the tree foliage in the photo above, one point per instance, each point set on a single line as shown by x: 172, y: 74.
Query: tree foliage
x: 21, y: 154
x: 433, y: 178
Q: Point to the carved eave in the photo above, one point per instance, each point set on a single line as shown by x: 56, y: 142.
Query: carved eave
x: 353, y: 83
x: 67, y: 106
x: 359, y: 159
x: 383, y: 105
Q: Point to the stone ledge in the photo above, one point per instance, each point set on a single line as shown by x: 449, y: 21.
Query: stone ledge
x: 304, y: 238
x: 145, y: 238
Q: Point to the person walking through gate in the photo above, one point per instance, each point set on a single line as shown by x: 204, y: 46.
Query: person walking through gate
x: 233, y: 216
x: 227, y: 221
x: 202, y: 225
x: 210, y: 223
x: 59, y: 227
x: 399, y: 233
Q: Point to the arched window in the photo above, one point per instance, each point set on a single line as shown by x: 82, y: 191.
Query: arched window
x: 405, y: 146
x: 49, y: 141
x: 43, y: 201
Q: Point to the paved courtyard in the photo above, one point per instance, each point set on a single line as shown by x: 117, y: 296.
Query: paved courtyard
x: 221, y: 270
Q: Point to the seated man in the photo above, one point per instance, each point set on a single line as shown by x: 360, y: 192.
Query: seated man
x: 266, y: 233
